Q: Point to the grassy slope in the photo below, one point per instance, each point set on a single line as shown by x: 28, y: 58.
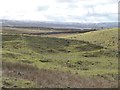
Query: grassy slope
x: 107, y: 38
x: 53, y: 52
x: 75, y: 56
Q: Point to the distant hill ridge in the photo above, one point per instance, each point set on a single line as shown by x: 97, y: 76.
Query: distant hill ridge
x: 15, y: 23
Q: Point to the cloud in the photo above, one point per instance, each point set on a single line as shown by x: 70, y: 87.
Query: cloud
x: 60, y: 10
x: 109, y: 8
x: 42, y: 8
x: 55, y: 18
x: 66, y: 1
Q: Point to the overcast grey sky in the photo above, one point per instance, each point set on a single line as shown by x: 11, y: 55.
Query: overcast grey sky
x: 60, y: 10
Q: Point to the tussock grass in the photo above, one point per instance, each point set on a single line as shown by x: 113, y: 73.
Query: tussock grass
x: 48, y: 78
x: 11, y: 82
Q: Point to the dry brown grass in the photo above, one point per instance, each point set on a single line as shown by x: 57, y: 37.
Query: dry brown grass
x: 11, y: 30
x: 52, y: 79
x: 58, y: 35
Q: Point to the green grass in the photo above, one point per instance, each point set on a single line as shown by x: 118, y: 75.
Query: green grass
x: 107, y: 38
x: 91, y: 54
x: 53, y: 53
